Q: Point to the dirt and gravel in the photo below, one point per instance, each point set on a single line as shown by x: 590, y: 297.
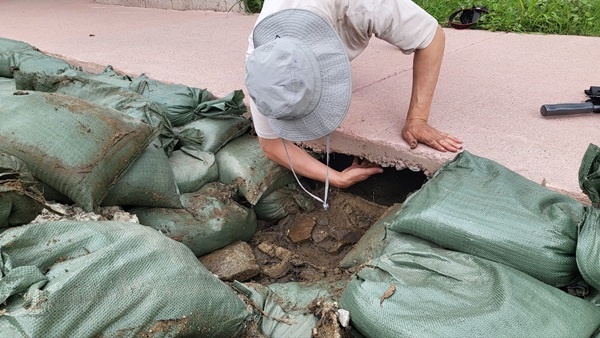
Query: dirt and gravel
x: 304, y: 246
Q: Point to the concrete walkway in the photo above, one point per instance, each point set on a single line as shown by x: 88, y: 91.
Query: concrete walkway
x: 490, y: 91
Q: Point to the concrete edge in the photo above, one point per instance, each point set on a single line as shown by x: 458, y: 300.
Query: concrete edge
x: 237, y: 6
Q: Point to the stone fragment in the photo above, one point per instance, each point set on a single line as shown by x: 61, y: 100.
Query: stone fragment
x: 233, y: 262
x: 319, y: 236
x: 301, y: 231
x: 346, y: 236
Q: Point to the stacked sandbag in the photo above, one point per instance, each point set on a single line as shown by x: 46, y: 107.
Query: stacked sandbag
x: 426, y: 291
x: 588, y: 241
x: 105, y: 93
x: 378, y: 240
x: 78, y: 148
x: 477, y: 206
x: 18, y: 55
x: 294, y: 309
x: 243, y: 163
x: 20, y: 198
x: 149, y: 182
x: 210, y: 219
x: 109, y: 279
x: 211, y: 134
x: 193, y: 168
x: 183, y: 104
x: 284, y: 201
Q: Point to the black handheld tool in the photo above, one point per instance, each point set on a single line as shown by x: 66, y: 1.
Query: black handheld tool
x: 590, y: 106
x: 569, y: 109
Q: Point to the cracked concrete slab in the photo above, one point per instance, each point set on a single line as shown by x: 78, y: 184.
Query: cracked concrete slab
x: 491, y: 86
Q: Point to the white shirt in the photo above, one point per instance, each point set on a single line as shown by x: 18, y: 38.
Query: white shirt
x: 400, y: 22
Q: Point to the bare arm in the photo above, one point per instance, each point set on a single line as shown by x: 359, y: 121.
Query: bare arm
x: 307, y: 166
x: 426, y: 69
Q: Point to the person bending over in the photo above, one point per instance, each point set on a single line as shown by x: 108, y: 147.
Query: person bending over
x: 299, y: 80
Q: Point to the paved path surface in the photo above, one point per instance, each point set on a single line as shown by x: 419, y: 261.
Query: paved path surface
x: 490, y: 91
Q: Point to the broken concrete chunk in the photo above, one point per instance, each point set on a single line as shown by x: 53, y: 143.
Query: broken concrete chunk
x: 301, y: 231
x: 234, y: 262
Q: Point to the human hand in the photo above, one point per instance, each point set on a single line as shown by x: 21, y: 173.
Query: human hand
x: 359, y: 171
x: 417, y: 131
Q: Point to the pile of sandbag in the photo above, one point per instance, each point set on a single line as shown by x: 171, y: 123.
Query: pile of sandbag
x: 178, y: 157
x: 479, y: 250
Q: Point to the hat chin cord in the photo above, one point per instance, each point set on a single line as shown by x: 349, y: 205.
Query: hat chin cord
x: 324, y: 200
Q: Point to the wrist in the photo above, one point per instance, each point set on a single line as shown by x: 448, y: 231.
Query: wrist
x: 336, y: 178
x: 417, y: 118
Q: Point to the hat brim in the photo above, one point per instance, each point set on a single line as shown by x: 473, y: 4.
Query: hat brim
x: 336, y: 82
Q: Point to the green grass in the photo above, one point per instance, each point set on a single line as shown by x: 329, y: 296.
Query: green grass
x: 564, y: 17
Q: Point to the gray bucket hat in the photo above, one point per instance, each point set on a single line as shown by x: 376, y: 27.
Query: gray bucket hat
x: 299, y: 75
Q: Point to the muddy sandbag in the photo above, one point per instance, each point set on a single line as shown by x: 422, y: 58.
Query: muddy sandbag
x: 209, y: 220
x: 477, y: 206
x: 78, y: 148
x: 282, y: 202
x: 215, y: 132
x: 109, y: 279
x: 9, y: 45
x: 193, y: 168
x: 589, y: 174
x: 7, y: 48
x: 293, y: 309
x: 20, y: 198
x: 92, y: 89
x: 378, y: 240
x: 32, y: 61
x: 243, y: 163
x: 588, y: 241
x: 183, y: 104
x: 433, y: 292
x: 110, y: 76
x: 149, y: 182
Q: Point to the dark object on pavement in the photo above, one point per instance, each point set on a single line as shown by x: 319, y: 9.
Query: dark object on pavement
x: 592, y: 105
x: 468, y: 17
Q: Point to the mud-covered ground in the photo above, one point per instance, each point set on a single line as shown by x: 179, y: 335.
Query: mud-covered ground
x: 307, y: 246
x: 304, y: 246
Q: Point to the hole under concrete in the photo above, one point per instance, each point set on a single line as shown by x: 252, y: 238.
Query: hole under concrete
x: 329, y: 234
x: 390, y: 187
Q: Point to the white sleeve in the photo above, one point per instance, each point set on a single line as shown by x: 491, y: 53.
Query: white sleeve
x: 400, y: 22
x: 261, y: 124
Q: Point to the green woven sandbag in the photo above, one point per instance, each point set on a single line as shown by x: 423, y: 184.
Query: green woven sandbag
x: 477, y: 206
x: 282, y: 202
x: 78, y: 148
x: 109, y: 279
x: 9, y: 45
x: 149, y: 182
x: 243, y: 163
x: 379, y: 240
x: 184, y: 104
x: 289, y: 306
x: 193, y: 168
x: 7, y: 48
x: 33, y: 61
x: 20, y: 199
x: 215, y: 132
x: 433, y: 292
x: 209, y: 220
x: 589, y: 174
x: 106, y: 94
x: 110, y: 76
x: 588, y: 241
